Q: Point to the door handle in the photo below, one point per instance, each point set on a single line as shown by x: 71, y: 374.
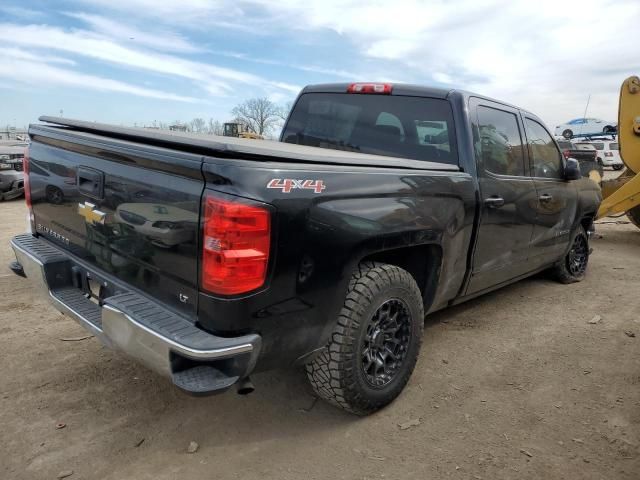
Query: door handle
x: 494, y: 202
x: 545, y: 198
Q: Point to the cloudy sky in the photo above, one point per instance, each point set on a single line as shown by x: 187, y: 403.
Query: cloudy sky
x: 135, y: 61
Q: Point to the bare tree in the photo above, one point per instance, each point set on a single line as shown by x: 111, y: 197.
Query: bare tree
x: 259, y: 115
x: 215, y: 127
x: 284, y: 110
x: 198, y: 125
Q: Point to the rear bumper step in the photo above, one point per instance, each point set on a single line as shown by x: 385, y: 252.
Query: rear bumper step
x: 197, y: 362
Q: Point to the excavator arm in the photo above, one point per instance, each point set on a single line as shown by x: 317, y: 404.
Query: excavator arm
x: 623, y: 193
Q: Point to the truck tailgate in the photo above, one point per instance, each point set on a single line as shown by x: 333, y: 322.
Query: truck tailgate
x: 130, y: 210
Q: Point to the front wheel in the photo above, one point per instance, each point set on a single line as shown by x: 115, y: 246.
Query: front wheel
x: 573, y: 267
x: 375, y: 344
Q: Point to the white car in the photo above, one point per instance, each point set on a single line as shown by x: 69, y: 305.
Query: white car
x: 585, y: 126
x: 166, y: 226
x: 608, y: 152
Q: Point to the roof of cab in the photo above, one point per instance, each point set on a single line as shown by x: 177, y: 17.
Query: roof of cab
x: 409, y: 90
x: 398, y: 89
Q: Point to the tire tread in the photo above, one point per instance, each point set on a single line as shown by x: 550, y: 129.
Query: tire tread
x: 331, y: 374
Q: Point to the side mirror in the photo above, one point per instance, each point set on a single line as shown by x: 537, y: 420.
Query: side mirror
x: 572, y: 170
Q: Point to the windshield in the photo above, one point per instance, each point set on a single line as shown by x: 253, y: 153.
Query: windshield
x: 407, y: 127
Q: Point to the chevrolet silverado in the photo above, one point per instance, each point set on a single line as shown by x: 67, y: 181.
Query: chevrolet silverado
x: 210, y: 258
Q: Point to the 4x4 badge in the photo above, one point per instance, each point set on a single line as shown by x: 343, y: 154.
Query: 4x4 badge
x: 90, y: 214
x: 289, y: 184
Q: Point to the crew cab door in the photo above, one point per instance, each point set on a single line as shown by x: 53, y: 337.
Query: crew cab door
x: 508, y: 205
x: 557, y: 198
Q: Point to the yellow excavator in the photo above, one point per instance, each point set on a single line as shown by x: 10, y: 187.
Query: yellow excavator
x: 239, y: 130
x: 622, y: 194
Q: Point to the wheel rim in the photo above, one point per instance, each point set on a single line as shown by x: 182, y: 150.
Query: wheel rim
x: 578, y: 256
x: 55, y: 195
x: 386, y: 342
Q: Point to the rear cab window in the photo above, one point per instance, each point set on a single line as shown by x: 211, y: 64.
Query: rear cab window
x: 500, y: 142
x: 417, y: 128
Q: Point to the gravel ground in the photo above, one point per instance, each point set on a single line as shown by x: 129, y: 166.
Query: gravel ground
x: 516, y: 384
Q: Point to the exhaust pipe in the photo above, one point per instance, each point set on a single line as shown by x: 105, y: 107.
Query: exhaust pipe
x: 245, y: 386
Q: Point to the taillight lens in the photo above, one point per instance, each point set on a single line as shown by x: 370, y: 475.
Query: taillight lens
x: 376, y: 88
x: 566, y: 153
x: 235, y: 247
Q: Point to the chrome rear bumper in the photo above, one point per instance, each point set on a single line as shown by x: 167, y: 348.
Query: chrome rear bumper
x: 197, y: 361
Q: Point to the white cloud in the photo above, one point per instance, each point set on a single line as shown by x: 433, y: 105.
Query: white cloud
x: 534, y: 54
x: 188, y: 14
x: 542, y: 55
x: 21, y: 12
x: 212, y: 78
x: 24, y: 55
x: 163, y: 40
x: 33, y: 73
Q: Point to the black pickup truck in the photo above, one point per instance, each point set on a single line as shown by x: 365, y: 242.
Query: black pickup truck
x: 209, y: 258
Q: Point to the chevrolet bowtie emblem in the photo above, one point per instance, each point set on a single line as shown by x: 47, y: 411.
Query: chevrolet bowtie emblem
x: 90, y: 214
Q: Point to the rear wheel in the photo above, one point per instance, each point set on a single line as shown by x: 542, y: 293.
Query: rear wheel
x: 374, y: 347
x: 573, y: 267
x: 567, y: 134
x: 634, y: 215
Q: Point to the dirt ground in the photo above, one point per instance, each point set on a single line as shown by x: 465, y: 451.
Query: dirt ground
x: 516, y: 384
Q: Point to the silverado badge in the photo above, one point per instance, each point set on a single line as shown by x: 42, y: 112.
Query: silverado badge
x: 90, y: 214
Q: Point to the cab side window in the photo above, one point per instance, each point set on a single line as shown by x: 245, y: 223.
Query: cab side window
x: 545, y: 156
x: 500, y: 142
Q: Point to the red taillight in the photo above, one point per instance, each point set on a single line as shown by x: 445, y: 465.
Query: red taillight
x: 379, y: 88
x: 566, y: 153
x: 25, y: 169
x: 235, y: 246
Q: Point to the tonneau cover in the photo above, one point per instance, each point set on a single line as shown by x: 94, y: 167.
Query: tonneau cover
x: 244, y: 148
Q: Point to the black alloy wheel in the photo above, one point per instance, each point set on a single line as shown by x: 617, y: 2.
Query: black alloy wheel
x: 573, y: 266
x: 385, y: 343
x: 578, y: 256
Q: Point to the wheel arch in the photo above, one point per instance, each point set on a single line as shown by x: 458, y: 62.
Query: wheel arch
x: 423, y: 262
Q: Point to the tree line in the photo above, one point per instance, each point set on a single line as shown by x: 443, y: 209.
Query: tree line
x: 258, y: 115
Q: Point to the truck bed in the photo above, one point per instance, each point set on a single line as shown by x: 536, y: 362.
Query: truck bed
x: 229, y: 147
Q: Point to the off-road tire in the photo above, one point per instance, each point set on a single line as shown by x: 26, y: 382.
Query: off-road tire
x: 337, y: 374
x: 567, y: 134
x: 634, y: 216
x: 565, y: 271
